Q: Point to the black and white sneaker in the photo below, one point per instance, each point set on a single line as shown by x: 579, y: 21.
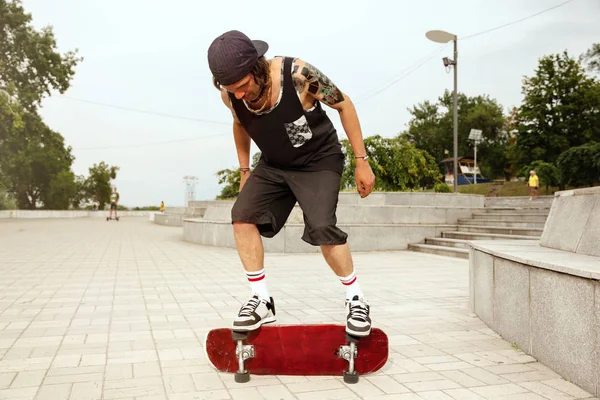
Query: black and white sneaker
x: 254, y: 313
x: 358, y: 322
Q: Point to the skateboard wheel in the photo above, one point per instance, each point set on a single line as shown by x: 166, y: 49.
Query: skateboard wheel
x: 350, y: 377
x: 242, y: 377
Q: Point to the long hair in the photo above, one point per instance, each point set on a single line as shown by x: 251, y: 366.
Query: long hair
x: 260, y: 71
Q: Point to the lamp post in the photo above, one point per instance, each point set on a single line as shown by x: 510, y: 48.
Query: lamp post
x: 445, y: 37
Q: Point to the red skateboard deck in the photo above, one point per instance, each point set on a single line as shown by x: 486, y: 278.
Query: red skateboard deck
x: 297, y: 350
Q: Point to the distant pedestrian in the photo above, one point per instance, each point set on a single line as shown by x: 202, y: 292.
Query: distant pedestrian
x: 534, y: 184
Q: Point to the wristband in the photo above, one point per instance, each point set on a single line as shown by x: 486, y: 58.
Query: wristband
x: 363, y: 157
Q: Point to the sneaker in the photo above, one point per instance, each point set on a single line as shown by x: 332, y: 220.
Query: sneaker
x: 358, y: 322
x: 254, y: 313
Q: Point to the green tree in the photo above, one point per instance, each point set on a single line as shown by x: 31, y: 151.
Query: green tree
x: 397, y: 164
x: 431, y: 128
x: 30, y: 65
x: 7, y: 202
x: 580, y: 166
x: 231, y: 178
x: 560, y: 109
x: 592, y: 58
x: 31, y: 157
x: 98, y: 183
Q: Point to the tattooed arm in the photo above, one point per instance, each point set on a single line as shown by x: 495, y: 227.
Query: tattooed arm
x: 314, y: 84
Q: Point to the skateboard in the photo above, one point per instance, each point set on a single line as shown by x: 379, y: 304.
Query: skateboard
x: 296, y: 350
x: 109, y: 218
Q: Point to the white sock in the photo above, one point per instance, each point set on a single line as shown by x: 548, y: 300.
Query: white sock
x: 352, y: 287
x: 258, y: 284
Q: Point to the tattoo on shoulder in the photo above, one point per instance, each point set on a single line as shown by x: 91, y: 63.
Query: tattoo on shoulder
x: 320, y: 85
x: 299, y: 82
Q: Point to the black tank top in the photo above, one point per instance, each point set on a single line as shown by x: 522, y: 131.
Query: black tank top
x: 290, y: 137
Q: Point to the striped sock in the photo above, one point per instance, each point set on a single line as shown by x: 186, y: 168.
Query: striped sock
x: 258, y: 283
x: 351, y: 284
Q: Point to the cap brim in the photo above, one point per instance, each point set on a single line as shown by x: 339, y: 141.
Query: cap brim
x: 261, y: 47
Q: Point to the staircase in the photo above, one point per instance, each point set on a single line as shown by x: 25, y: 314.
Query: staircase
x: 501, y: 218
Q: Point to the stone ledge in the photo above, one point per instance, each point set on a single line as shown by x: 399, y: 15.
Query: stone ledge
x: 546, y: 301
x: 573, y: 223
x: 530, y: 252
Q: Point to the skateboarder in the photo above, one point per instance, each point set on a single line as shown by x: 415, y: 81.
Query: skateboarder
x: 277, y: 104
x: 114, y: 200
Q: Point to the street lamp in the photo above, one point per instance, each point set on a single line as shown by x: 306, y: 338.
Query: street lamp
x: 445, y: 37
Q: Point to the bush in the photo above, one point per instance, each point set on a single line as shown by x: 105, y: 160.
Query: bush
x: 442, y: 188
x: 580, y: 166
x: 7, y: 202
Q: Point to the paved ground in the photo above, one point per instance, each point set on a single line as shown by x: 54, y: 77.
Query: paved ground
x: 97, y: 310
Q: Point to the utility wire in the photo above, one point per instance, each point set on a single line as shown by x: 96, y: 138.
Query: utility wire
x: 517, y: 21
x: 404, y: 74
x: 153, y: 143
x: 145, y: 111
x: 397, y: 79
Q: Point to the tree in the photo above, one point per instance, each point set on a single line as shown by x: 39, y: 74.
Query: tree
x: 97, y: 185
x: 232, y: 179
x: 580, y: 166
x: 431, y: 129
x: 560, y: 110
x: 32, y: 156
x: 592, y: 58
x: 397, y: 164
x: 6, y: 200
x: 30, y: 65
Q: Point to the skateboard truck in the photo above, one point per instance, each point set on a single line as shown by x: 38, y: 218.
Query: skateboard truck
x: 349, y: 353
x: 242, y: 352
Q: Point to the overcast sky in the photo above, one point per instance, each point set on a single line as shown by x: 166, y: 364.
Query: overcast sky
x: 151, y: 55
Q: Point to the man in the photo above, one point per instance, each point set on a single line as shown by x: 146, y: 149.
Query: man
x: 114, y: 200
x: 277, y: 104
x: 533, y: 183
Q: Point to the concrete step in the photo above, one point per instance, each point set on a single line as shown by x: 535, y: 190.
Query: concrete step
x: 440, y: 250
x: 458, y: 243
x: 519, y: 201
x: 501, y: 223
x: 485, y: 236
x: 510, y: 217
x: 502, y: 230
x: 517, y: 210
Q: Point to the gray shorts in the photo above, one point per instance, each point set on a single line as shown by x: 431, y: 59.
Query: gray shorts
x: 270, y: 194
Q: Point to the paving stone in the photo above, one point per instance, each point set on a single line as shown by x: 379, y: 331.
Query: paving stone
x: 93, y: 310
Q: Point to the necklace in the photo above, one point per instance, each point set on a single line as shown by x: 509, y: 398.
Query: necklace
x: 266, y: 100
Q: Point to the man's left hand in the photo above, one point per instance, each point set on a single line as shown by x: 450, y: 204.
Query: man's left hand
x: 365, y: 179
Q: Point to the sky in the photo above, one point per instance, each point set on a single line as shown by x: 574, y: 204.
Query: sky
x: 150, y: 56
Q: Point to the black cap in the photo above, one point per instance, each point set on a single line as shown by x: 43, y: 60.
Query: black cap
x: 232, y: 55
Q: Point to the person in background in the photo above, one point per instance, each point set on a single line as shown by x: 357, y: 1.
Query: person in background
x: 162, y: 206
x: 114, y: 200
x: 534, y: 184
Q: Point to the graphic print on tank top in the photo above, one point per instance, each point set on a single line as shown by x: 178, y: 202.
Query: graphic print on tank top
x: 298, y: 131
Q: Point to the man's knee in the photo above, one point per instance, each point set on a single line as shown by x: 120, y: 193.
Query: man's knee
x: 241, y: 226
